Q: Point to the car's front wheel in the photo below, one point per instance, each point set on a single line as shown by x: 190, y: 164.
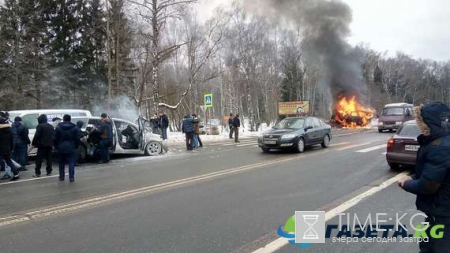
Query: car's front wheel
x: 300, y: 148
x: 153, y: 148
x: 326, y: 141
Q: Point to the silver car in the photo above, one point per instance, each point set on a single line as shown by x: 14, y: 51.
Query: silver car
x: 128, y: 138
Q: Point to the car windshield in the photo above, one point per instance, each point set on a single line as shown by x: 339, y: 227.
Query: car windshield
x: 396, y: 111
x: 410, y: 130
x: 290, y: 124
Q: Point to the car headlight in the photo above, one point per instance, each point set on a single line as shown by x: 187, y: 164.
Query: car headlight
x: 380, y: 123
x: 288, y: 136
x: 398, y: 123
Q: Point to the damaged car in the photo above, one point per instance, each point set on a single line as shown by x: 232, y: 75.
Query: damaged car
x: 128, y: 138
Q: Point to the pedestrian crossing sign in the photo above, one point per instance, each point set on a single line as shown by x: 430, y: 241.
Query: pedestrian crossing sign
x: 208, y: 100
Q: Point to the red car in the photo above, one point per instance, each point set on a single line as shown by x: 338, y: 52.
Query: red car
x: 403, y: 146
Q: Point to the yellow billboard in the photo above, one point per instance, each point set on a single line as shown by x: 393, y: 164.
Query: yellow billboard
x: 293, y: 108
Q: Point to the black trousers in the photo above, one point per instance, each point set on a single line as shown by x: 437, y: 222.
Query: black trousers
x: 231, y: 132
x: 189, y: 141
x: 7, y: 158
x: 441, y: 245
x: 43, y: 153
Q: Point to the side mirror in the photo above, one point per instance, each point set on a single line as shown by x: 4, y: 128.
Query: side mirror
x: 308, y: 127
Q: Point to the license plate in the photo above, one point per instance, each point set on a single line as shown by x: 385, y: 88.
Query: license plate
x: 270, y: 142
x: 411, y: 147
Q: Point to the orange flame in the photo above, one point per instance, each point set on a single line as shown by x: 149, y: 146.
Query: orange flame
x: 350, y: 113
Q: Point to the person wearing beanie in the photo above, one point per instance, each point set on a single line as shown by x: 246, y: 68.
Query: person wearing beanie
x: 7, y: 143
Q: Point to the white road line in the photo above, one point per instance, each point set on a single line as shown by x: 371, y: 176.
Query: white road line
x: 339, y: 144
x: 371, y: 148
x: 281, y: 242
x: 384, y: 153
x: 28, y: 216
x: 31, y: 179
x: 354, y: 146
x: 244, y: 145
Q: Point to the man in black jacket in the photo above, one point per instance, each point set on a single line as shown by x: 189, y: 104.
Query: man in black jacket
x: 21, y: 142
x: 43, y: 140
x: 163, y: 124
x: 236, y: 126
x: 66, y: 141
x: 230, y: 124
x: 6, y: 144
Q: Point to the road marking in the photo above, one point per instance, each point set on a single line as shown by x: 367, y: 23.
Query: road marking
x: 60, y: 209
x: 30, y: 179
x: 244, y: 145
x: 354, y: 146
x: 281, y: 242
x: 384, y: 153
x: 339, y: 144
x: 371, y: 148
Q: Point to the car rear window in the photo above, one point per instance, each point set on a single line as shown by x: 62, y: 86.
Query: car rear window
x: 411, y: 130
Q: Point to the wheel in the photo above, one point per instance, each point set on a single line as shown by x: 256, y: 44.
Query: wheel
x: 81, y: 154
x: 380, y: 130
x: 265, y: 150
x: 153, y: 148
x: 394, y: 166
x: 326, y: 141
x: 300, y: 145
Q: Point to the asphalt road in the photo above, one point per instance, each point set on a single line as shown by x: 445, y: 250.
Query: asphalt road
x: 225, y: 197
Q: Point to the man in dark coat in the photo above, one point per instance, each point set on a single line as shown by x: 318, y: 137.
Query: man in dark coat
x: 236, y: 126
x: 66, y: 141
x: 431, y: 183
x: 163, y: 124
x: 21, y: 142
x: 155, y: 123
x: 188, y: 129
x: 43, y: 140
x: 106, y: 141
x: 6, y: 144
x: 230, y: 125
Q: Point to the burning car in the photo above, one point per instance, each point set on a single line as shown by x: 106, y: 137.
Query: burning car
x: 350, y: 113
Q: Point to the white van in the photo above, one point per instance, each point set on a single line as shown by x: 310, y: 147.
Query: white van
x: 29, y: 119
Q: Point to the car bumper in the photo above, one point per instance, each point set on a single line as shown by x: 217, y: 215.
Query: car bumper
x: 280, y: 144
x: 401, y: 158
x: 388, y: 127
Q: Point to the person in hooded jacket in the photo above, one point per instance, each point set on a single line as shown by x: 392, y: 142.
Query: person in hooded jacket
x: 163, y: 124
x: 43, y: 140
x: 431, y: 183
x: 106, y: 141
x: 197, y: 141
x: 188, y: 129
x: 66, y: 141
x: 21, y: 142
x: 6, y: 144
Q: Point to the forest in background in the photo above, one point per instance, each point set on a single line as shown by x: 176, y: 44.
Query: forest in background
x: 156, y: 55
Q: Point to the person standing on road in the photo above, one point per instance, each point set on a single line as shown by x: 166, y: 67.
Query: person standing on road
x: 7, y: 143
x: 230, y: 125
x: 66, y: 141
x: 236, y: 126
x: 43, y: 140
x: 21, y: 142
x: 188, y: 129
x: 154, y: 120
x: 163, y: 124
x: 431, y: 182
x: 106, y: 137
x: 197, y: 141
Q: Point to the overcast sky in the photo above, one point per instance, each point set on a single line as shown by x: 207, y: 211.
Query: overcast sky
x: 420, y: 28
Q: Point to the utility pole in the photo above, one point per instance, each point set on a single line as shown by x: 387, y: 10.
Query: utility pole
x: 108, y: 48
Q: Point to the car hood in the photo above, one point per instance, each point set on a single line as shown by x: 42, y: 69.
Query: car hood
x: 282, y: 131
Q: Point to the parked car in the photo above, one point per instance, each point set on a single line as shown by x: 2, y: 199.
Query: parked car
x: 128, y: 138
x: 29, y: 119
x: 394, y: 115
x: 403, y: 146
x: 296, y: 133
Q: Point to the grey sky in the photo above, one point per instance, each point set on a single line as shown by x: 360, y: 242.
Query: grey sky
x: 417, y: 27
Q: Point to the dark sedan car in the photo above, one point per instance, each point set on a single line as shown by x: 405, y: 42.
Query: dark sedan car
x: 296, y: 133
x: 403, y: 146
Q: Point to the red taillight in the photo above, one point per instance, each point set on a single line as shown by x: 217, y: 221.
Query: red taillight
x: 390, y: 143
